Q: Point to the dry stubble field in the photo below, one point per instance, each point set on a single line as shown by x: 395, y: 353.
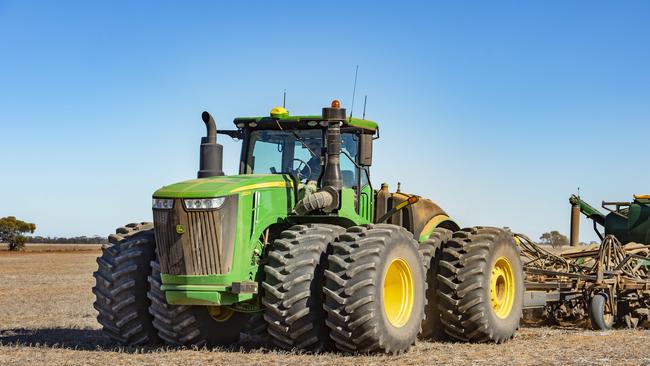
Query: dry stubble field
x: 46, y: 317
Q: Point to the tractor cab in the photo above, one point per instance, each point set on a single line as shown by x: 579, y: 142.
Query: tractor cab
x: 296, y: 146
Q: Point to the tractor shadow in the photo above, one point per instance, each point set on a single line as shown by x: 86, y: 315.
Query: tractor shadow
x: 95, y: 340
x: 80, y: 339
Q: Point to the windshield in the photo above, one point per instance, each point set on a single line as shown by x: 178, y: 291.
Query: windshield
x: 273, y: 151
x: 277, y: 151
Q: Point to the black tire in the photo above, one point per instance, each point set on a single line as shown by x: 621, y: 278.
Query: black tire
x: 184, y: 325
x: 293, y: 287
x: 121, y: 285
x: 599, y: 313
x: 466, y: 267
x: 255, y: 334
x: 431, y: 251
x: 354, y: 289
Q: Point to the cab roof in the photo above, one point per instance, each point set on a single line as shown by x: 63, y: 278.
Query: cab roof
x: 304, y: 120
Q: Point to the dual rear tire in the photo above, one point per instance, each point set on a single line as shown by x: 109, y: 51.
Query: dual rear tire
x: 481, y: 288
x: 375, y: 290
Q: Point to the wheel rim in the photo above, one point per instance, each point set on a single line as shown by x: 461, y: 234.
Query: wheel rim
x: 502, y: 288
x: 608, y: 317
x: 220, y: 313
x: 399, y: 293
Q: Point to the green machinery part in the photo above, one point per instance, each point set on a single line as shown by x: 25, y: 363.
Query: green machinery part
x: 628, y: 221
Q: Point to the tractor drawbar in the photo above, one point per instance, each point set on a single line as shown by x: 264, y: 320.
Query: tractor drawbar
x: 211, y: 155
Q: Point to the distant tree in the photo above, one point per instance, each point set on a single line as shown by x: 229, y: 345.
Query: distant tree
x: 11, y: 230
x: 554, y: 239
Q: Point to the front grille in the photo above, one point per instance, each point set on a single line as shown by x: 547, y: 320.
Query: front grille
x: 206, y: 244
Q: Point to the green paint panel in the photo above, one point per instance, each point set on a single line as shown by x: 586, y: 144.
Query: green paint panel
x: 204, y: 298
x: 221, y: 186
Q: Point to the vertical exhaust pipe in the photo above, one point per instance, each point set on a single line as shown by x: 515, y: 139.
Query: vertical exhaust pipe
x: 211, y: 153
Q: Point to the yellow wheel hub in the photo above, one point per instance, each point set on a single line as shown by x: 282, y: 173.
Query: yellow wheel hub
x: 399, y: 293
x: 502, y: 288
x: 220, y: 313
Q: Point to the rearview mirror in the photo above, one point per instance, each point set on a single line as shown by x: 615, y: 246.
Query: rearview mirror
x: 365, y: 149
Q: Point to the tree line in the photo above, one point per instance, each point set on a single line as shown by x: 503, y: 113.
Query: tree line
x: 69, y: 240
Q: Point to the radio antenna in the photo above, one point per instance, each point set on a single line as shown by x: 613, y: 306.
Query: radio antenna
x: 354, y: 90
x: 284, y: 99
x: 365, y: 100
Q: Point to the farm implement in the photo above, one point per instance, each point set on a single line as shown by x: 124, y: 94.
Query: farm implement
x: 608, y: 284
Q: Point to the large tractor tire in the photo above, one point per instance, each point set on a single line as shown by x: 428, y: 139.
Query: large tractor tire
x: 293, y: 287
x: 375, y: 290
x: 196, y: 326
x: 431, y: 251
x: 121, y: 285
x: 481, y: 286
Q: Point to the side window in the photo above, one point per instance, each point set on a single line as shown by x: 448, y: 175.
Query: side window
x: 266, y: 157
x: 349, y: 145
x: 365, y: 173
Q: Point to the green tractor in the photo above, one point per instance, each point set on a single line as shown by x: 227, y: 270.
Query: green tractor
x: 300, y: 250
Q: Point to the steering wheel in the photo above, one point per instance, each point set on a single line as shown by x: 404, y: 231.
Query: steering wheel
x: 299, y: 169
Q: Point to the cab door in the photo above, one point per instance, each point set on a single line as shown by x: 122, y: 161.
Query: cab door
x: 366, y: 197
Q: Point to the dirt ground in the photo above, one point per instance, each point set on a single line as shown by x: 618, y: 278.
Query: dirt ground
x: 46, y: 317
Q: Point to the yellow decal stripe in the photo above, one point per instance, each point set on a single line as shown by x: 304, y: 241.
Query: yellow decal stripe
x: 432, y: 224
x: 262, y: 185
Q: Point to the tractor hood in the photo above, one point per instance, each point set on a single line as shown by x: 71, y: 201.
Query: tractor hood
x: 222, y: 185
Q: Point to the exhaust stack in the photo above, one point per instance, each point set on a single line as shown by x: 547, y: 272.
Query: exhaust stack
x: 211, y: 153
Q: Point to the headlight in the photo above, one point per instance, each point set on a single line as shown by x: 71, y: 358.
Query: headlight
x: 204, y: 203
x: 162, y: 204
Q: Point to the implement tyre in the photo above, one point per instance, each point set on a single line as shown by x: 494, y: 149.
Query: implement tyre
x: 121, y: 285
x: 600, y: 313
x: 481, y: 285
x: 293, y: 287
x: 197, y: 326
x: 375, y: 290
x: 431, y: 251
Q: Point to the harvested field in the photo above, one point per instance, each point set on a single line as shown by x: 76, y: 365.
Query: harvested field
x: 46, y: 317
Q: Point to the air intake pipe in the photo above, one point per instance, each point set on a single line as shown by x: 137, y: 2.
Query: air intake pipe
x: 332, y: 172
x: 211, y: 154
x: 328, y: 196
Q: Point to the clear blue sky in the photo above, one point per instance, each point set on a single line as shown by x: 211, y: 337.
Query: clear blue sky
x: 496, y: 110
